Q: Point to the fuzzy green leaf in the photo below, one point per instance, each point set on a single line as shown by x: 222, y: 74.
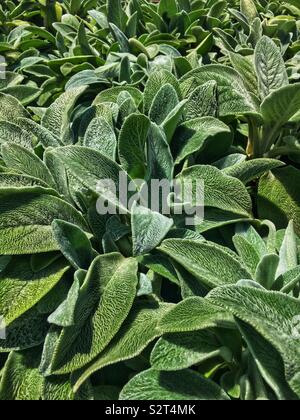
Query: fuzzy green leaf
x: 132, y: 140
x: 273, y: 315
x: 270, y: 67
x: 210, y: 263
x: 100, y: 136
x: 106, y: 299
x: 192, y: 314
x: 21, y: 288
x: 149, y: 228
x: 183, y: 350
x: 21, y: 380
x: 57, y: 116
x: 139, y: 329
x: 233, y: 97
x: 204, y: 136
x: 25, y: 221
x: 220, y: 190
x: 184, y: 385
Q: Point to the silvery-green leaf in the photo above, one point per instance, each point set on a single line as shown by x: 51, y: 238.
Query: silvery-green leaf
x: 250, y: 246
x: 160, y: 160
x: 288, y: 254
x: 268, y: 361
x: 132, y: 140
x: 163, y: 103
x: 167, y: 8
x: 189, y: 284
x: 251, y: 169
x: 249, y: 283
x: 21, y: 380
x: 149, y: 228
x: 183, y: 350
x: 160, y: 264
x: 155, y: 82
x: 12, y: 133
x: 212, y: 264
x: 25, y: 94
x: 126, y: 107
x: 280, y: 105
x: 120, y: 38
x: 245, y: 67
x: 93, y: 169
x: 202, y: 101
x: 101, y: 136
x: 11, y: 109
x: 25, y: 225
x: 116, y: 14
x: 220, y: 190
x: 233, y: 97
x: 23, y: 181
x: 104, y: 302
x: 270, y: 67
x: 112, y: 94
x: 11, y: 79
x: 266, y: 270
x: 192, y: 314
x: 24, y: 161
x: 172, y: 120
x: 139, y: 329
x: 205, y: 136
x: 248, y: 8
x: 73, y: 243
x: 215, y: 218
x: 249, y: 254
x: 145, y: 287
x: 59, y: 173
x: 183, y: 385
x: 57, y: 116
x: 21, y: 288
x: 253, y: 237
x: 289, y: 280
x: 279, y: 197
x: 230, y: 160
x: 43, y: 135
x: 273, y: 315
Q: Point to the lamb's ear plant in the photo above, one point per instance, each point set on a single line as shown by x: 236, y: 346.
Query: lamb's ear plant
x: 106, y: 298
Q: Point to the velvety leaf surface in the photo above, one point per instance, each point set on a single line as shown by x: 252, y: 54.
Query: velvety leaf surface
x: 181, y: 351
x: 132, y: 142
x: 210, y: 263
x: 220, y: 190
x: 149, y: 228
x: 56, y: 118
x: 193, y: 314
x: 11, y: 109
x: 139, y: 329
x: 272, y: 315
x: 278, y: 197
x: 204, y: 135
x: 233, y: 97
x: 21, y: 288
x: 270, y: 67
x: 21, y: 379
x: 184, y: 385
x: 96, y: 319
x: 25, y: 221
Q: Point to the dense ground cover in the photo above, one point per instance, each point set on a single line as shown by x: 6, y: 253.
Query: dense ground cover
x: 140, y: 304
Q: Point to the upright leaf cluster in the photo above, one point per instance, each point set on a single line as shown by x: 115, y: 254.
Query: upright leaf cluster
x: 137, y: 303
